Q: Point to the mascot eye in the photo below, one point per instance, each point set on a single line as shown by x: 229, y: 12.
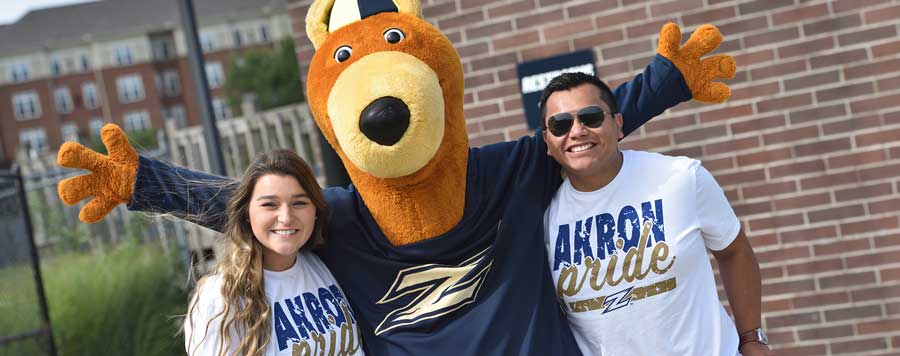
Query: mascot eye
x: 343, y: 53
x: 394, y: 35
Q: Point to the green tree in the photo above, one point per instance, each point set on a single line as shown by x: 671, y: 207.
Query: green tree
x: 142, y: 141
x: 271, y: 76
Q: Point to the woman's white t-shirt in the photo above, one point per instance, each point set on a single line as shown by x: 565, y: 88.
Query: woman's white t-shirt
x: 309, y: 314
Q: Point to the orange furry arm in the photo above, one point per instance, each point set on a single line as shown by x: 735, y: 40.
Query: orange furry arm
x: 698, y: 73
x: 111, y: 180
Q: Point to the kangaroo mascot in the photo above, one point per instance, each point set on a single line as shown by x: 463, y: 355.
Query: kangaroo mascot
x: 438, y: 246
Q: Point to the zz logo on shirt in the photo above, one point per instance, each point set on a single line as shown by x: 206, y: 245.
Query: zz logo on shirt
x: 617, y: 300
x: 438, y: 290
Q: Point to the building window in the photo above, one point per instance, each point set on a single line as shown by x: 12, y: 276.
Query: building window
x: 207, y: 41
x: 221, y: 109
x: 162, y: 49
x: 177, y: 114
x: 63, y: 99
x: 130, y: 88
x: 95, y: 126
x: 264, y: 33
x: 89, y: 95
x: 238, y: 40
x: 171, y: 84
x: 26, y: 105
x: 136, y: 121
x: 85, y: 63
x: 33, y: 141
x: 123, y: 56
x: 69, y: 132
x: 214, y: 74
x: 19, y: 71
x: 69, y: 64
x: 56, y: 66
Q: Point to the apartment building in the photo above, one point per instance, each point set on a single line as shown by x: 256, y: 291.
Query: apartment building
x: 66, y: 71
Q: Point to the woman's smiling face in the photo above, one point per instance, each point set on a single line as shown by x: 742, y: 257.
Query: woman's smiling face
x: 282, y: 218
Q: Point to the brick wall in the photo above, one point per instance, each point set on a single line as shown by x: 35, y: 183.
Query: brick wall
x: 807, y: 149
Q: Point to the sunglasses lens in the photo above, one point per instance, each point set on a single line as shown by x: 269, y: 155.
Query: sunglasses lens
x: 560, y: 124
x: 591, y: 116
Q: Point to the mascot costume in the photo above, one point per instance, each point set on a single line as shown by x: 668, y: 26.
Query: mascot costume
x: 438, y: 246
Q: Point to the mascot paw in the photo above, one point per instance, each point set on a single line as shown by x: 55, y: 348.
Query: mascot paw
x: 111, y: 180
x: 699, y: 73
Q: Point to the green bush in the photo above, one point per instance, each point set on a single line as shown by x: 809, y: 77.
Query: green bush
x: 121, y: 302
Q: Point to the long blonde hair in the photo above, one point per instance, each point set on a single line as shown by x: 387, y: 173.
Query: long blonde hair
x: 246, y: 309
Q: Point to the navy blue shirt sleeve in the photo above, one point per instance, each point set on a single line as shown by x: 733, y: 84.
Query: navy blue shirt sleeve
x: 202, y: 198
x: 197, y: 197
x: 658, y: 88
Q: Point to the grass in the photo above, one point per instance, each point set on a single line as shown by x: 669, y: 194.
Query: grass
x: 19, y: 311
x: 121, y: 302
x: 18, y: 301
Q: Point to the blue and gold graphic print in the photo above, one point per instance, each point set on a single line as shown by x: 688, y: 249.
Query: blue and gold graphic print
x: 613, y: 253
x: 438, y: 290
x: 311, y: 323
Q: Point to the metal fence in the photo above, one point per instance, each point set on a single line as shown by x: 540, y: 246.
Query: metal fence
x: 24, y: 318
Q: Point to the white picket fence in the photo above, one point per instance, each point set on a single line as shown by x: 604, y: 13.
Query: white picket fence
x: 290, y: 127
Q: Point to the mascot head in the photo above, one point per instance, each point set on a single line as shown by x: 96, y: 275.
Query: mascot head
x: 386, y: 89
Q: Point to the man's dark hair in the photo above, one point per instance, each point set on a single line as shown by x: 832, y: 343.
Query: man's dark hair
x: 567, y: 81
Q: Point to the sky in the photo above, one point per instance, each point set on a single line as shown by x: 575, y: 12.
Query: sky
x: 12, y: 10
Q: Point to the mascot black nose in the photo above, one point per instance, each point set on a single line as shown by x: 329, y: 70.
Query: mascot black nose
x: 385, y: 120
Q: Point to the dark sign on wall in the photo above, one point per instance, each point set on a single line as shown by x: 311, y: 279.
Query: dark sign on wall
x: 534, y: 76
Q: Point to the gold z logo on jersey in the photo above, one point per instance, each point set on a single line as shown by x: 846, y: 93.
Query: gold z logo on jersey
x: 438, y: 290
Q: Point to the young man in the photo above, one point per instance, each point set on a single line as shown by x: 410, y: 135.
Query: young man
x: 627, y: 234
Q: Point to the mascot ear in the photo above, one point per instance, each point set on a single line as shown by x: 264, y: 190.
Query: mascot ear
x: 317, y: 21
x: 327, y: 16
x: 412, y: 7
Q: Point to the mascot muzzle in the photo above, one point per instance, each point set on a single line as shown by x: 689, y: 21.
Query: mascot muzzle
x: 391, y: 124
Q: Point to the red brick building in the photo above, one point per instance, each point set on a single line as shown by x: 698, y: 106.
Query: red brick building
x: 807, y: 149
x: 68, y: 70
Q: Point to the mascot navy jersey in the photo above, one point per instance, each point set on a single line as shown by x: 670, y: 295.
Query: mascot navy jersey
x: 484, y: 287
x: 479, y: 289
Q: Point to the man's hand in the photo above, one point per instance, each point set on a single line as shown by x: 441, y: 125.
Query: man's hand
x: 755, y: 349
x: 111, y: 180
x: 698, y: 73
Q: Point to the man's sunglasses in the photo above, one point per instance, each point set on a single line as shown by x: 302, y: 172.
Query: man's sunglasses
x: 590, y: 116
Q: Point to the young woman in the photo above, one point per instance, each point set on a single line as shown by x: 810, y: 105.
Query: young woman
x: 269, y: 295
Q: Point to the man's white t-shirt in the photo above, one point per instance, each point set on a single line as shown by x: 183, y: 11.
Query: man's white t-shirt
x: 310, y: 315
x: 623, y: 299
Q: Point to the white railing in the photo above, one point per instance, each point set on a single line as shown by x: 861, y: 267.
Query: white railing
x: 290, y: 127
